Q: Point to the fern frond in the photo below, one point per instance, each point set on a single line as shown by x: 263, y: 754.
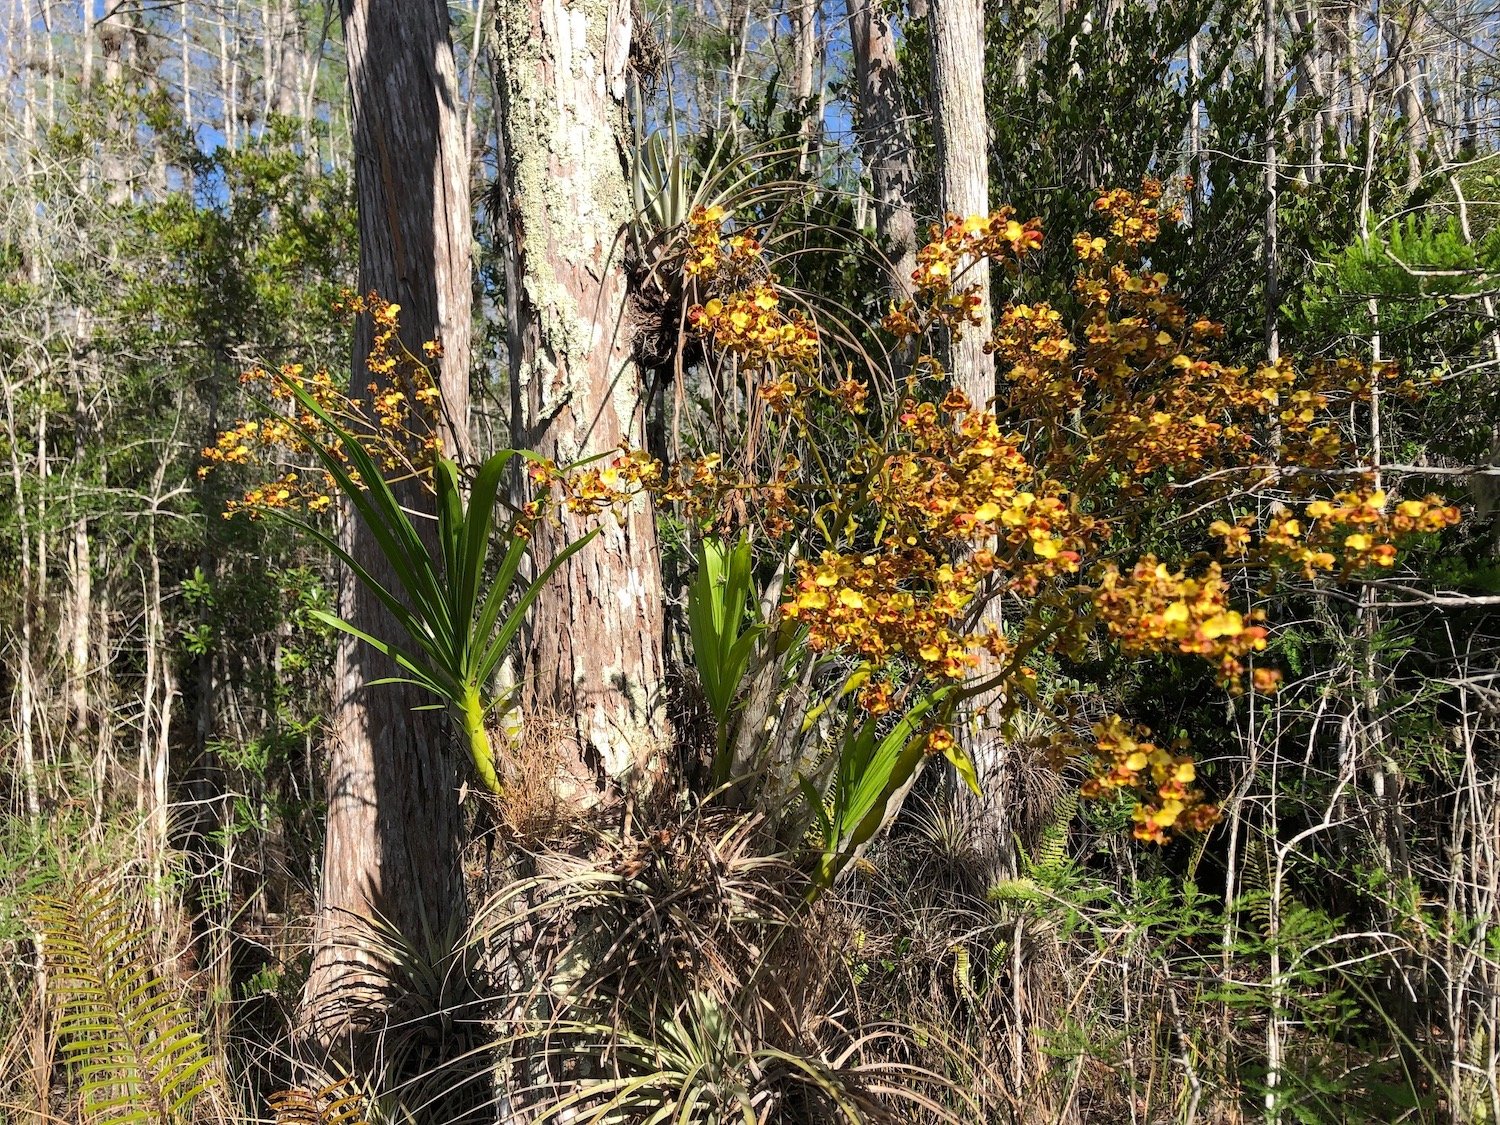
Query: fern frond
x: 131, y: 1042
x: 963, y: 981
x: 338, y: 1104
x: 1255, y: 877
x: 1052, y: 848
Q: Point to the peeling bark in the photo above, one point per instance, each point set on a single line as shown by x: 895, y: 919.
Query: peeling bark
x: 593, y: 659
x: 392, y: 845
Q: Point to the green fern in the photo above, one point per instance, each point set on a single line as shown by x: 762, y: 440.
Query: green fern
x: 130, y: 1040
x: 963, y: 976
x: 337, y: 1104
x: 1052, y: 848
x: 1256, y: 877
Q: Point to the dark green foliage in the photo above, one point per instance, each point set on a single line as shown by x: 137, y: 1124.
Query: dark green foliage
x: 1425, y: 278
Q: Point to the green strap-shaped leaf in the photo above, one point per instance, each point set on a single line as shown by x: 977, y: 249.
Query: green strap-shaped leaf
x: 433, y: 678
x: 479, y: 522
x: 381, y: 511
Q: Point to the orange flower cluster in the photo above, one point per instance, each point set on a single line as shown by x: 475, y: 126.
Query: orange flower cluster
x: 1032, y: 339
x: 1351, y: 532
x: 397, y: 422
x: 250, y: 440
x: 1135, y: 217
x: 953, y: 487
x: 723, y: 263
x: 952, y: 249
x: 1132, y: 390
x: 1157, y: 609
x: 743, y: 317
x: 964, y: 240
x: 701, y: 485
x: 889, y: 604
x: 749, y: 325
x: 1126, y: 760
x: 1161, y: 401
x: 960, y: 482
x: 1308, y: 429
x: 403, y: 394
x: 239, y: 444
x: 234, y: 447
x: 947, y: 506
x: 591, y: 489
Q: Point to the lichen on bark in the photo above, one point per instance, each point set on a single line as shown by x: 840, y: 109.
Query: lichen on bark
x: 594, y: 655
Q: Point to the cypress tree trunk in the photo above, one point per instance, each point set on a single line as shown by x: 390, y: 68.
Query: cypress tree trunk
x: 1270, y: 92
x: 963, y: 166
x: 885, y: 139
x: 593, y: 661
x: 392, y: 846
x: 804, y: 19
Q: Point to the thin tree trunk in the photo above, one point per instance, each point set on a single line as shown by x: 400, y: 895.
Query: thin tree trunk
x: 963, y: 180
x: 1270, y: 93
x: 238, y: 97
x: 285, y: 34
x: 104, y: 761
x: 86, y: 58
x: 594, y: 659
x: 739, y: 11
x: 156, y: 720
x: 185, y: 31
x: 806, y: 23
x: 144, y: 62
x: 392, y: 844
x: 152, y: 654
x: 80, y: 566
x: 112, y: 33
x: 1352, y: 75
x: 269, y: 56
x: 1402, y: 49
x: 307, y: 93
x: 51, y: 33
x: 1195, y: 127
x: 25, y: 687
x: 885, y: 139
x: 226, y: 84
x: 1310, y: 89
x: 40, y: 592
x: 963, y: 167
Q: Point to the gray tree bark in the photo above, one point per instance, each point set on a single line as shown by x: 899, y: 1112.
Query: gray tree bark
x: 963, y: 166
x: 593, y: 662
x: 113, y: 30
x: 1271, y: 93
x: 963, y: 178
x: 804, y: 19
x: 885, y: 139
